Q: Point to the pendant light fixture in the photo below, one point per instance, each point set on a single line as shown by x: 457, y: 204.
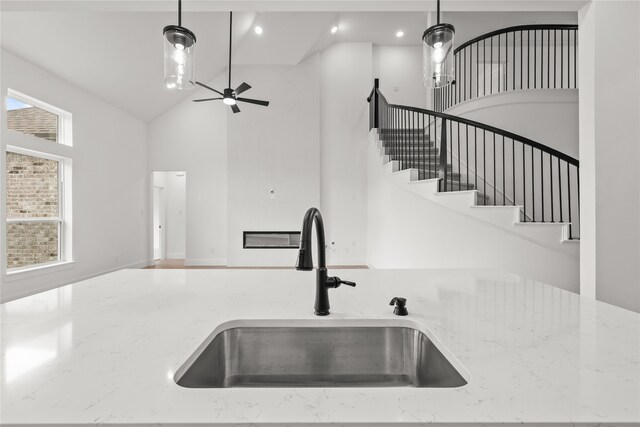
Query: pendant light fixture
x: 437, y: 47
x: 179, y: 55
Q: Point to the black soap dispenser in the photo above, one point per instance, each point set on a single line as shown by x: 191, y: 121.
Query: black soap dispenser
x: 400, y: 306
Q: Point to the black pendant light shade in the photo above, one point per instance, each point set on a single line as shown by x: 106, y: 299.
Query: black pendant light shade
x: 179, y: 55
x: 437, y: 44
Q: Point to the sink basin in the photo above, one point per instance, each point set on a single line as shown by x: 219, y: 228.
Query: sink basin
x: 318, y: 356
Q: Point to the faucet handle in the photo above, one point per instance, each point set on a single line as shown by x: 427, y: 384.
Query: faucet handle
x: 334, y: 282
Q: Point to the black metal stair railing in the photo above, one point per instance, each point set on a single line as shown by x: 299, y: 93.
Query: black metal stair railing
x: 507, y: 169
x: 541, y: 56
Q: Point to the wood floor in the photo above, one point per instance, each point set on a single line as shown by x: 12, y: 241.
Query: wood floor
x: 167, y: 264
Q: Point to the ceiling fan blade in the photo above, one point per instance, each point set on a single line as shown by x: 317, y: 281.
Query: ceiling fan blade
x: 235, y: 108
x: 254, y: 101
x: 210, y: 88
x: 242, y: 88
x: 205, y: 99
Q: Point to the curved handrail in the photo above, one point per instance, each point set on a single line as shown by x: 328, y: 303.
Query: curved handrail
x: 530, y: 27
x: 507, y: 134
x: 535, y: 56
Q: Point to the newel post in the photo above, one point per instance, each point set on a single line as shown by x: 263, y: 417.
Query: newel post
x: 376, y: 85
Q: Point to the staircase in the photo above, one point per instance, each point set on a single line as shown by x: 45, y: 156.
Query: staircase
x: 491, y: 174
x: 445, y: 191
x: 426, y: 163
x: 525, y: 184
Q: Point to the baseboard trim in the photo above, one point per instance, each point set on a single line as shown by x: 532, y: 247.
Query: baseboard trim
x: 204, y: 262
x: 175, y: 255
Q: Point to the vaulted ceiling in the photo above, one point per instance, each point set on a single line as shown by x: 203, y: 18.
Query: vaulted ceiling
x: 117, y: 55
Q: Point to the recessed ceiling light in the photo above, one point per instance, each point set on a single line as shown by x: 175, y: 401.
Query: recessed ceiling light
x: 334, y: 29
x: 400, y: 34
x: 258, y: 29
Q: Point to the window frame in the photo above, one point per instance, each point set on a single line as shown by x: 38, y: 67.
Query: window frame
x: 61, y: 151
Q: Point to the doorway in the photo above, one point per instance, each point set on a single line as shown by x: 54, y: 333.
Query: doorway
x: 169, y: 216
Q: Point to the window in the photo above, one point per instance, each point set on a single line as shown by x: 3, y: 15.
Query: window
x: 37, y: 185
x: 271, y: 239
x: 34, y: 215
x: 32, y: 117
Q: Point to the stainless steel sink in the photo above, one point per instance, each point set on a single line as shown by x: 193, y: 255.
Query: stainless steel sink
x: 318, y: 357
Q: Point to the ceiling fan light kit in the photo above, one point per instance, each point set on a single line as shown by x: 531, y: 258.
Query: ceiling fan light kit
x: 230, y: 96
x: 438, y: 54
x: 179, y: 55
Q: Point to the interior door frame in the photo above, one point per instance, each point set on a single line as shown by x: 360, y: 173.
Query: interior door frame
x: 149, y: 214
x: 159, y: 193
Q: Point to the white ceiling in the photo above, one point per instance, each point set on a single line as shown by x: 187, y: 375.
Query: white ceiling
x: 286, y: 38
x: 118, y: 57
x: 294, y: 5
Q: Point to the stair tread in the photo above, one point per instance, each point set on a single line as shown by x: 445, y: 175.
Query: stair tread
x: 409, y: 144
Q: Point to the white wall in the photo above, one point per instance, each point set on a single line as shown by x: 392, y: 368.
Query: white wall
x: 275, y: 148
x: 346, y: 80
x: 610, y: 152
x: 308, y: 146
x: 175, y: 200
x: 405, y: 230
x: 192, y: 137
x: 110, y: 181
x: 399, y: 69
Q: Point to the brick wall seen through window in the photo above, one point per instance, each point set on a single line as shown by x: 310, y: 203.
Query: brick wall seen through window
x: 32, y: 193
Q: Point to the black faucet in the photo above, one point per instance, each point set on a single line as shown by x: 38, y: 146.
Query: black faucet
x: 305, y: 261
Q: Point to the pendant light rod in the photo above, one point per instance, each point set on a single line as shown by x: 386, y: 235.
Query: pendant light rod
x: 438, y: 12
x: 179, y: 13
x: 230, y: 35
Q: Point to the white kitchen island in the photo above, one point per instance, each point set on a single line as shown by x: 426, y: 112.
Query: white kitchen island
x: 105, y: 351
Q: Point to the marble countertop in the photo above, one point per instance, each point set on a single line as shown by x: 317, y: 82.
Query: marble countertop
x: 104, y: 351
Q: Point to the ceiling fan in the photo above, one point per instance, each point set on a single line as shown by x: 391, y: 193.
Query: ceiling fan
x: 230, y: 96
